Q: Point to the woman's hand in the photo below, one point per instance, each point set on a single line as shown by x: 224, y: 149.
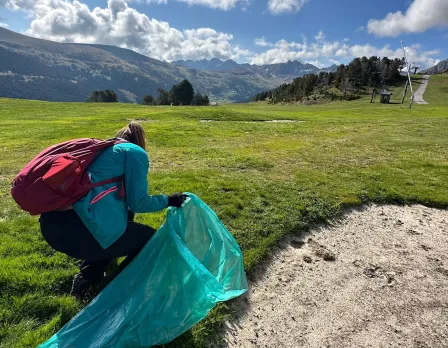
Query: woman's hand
x: 176, y: 200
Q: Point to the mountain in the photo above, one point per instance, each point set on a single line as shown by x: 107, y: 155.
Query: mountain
x: 288, y: 70
x: 332, y: 68
x: 40, y: 69
x: 439, y: 68
x: 213, y: 64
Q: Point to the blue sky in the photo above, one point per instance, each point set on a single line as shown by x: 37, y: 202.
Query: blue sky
x: 321, y: 32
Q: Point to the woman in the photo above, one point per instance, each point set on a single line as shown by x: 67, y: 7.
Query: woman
x: 99, y: 227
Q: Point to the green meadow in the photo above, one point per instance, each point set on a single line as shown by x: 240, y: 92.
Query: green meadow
x: 266, y: 170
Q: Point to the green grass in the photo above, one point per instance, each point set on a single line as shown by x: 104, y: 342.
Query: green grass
x: 437, y: 92
x: 264, y: 180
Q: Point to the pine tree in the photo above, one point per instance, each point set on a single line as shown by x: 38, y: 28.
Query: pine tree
x: 148, y: 100
x: 163, y: 98
x: 182, y: 94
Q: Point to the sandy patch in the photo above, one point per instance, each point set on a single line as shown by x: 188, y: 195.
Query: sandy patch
x: 377, y: 278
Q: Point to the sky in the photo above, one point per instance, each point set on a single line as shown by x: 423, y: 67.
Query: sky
x: 320, y: 32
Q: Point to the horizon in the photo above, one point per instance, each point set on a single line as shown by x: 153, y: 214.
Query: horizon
x: 321, y: 33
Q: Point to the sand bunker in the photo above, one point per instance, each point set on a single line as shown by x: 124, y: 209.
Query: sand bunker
x: 377, y: 278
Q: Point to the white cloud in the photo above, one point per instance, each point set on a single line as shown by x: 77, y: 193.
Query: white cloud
x: 262, y: 42
x: 361, y: 28
x: 333, y: 61
x: 320, y: 36
x: 119, y: 24
x: 316, y: 63
x: 432, y: 53
x: 17, y: 4
x: 419, y: 17
x: 150, y: 1
x: 214, y: 4
x: 281, y: 6
x: 334, y: 52
x: 4, y: 25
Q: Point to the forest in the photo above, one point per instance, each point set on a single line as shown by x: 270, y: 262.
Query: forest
x: 348, y: 82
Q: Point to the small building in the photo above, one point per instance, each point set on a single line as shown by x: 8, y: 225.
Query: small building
x: 385, y: 97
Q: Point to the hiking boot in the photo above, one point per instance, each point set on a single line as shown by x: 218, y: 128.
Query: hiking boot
x: 80, y: 286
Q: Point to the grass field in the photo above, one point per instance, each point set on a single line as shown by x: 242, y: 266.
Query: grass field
x: 264, y: 180
x: 437, y: 92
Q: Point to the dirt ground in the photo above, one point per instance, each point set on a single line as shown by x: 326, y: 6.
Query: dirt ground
x: 378, y: 277
x: 418, y: 96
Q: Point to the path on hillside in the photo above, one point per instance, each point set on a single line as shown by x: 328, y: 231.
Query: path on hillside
x: 418, y: 95
x: 387, y: 287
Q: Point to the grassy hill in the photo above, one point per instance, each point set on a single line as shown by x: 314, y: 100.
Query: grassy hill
x: 437, y: 90
x: 263, y: 179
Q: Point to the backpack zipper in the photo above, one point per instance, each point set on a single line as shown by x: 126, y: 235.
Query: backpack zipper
x: 103, y: 194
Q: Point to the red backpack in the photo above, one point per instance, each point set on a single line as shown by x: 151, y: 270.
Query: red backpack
x: 57, y: 177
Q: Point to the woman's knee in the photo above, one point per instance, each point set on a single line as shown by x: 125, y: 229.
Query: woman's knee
x: 141, y: 232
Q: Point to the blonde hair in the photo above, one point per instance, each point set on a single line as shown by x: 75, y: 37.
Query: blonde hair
x: 134, y: 133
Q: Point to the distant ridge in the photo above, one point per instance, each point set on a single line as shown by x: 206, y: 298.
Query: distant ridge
x: 437, y: 69
x: 290, y: 69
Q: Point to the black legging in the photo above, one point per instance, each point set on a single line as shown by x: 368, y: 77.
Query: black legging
x: 65, y: 232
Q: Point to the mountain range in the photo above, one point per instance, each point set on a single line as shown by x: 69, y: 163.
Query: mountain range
x: 437, y: 69
x: 290, y: 69
x: 45, y: 70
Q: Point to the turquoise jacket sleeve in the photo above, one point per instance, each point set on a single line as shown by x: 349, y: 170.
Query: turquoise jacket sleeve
x: 136, y: 184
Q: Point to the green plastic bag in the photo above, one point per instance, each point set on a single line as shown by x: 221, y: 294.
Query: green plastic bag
x: 190, y: 264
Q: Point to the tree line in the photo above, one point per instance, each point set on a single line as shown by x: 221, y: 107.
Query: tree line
x: 106, y: 96
x: 180, y: 94
x: 346, y: 83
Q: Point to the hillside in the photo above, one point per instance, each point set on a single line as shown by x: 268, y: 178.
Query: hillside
x: 40, y: 69
x: 348, y: 82
x: 438, y: 69
x: 437, y: 91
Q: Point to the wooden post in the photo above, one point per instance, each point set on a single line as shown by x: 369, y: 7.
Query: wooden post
x: 372, y: 100
x: 404, y: 93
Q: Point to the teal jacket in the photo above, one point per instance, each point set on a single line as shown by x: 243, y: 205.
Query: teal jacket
x: 102, y: 210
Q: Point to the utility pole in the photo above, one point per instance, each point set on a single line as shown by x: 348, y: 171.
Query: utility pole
x: 409, y: 75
